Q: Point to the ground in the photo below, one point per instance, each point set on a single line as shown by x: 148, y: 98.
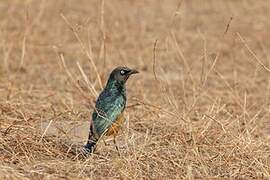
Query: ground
x: 199, y: 109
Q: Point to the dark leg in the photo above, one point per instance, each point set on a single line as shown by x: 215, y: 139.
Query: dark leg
x: 91, y: 143
x: 104, y: 142
x: 115, y: 144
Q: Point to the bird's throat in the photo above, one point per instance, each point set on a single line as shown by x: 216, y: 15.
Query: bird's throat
x: 116, y: 86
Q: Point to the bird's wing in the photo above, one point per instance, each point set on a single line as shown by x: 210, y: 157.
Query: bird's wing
x: 108, y: 108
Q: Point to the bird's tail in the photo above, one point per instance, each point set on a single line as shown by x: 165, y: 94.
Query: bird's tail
x: 91, y: 143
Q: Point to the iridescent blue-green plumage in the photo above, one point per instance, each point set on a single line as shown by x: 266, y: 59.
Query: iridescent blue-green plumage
x: 110, y: 104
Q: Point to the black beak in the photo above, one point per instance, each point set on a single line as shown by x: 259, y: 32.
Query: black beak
x: 133, y: 71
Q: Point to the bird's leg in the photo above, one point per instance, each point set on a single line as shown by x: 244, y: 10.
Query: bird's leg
x: 104, y: 142
x: 115, y: 144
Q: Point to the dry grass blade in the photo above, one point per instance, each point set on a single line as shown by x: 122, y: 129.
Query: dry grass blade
x: 154, y: 60
x: 83, y: 48
x: 196, y: 110
x: 92, y: 88
x: 71, y: 77
x: 252, y: 53
x: 228, y: 26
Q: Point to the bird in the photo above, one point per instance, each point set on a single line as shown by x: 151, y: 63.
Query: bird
x: 108, y: 114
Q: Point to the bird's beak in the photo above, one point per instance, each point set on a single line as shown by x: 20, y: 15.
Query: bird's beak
x: 133, y: 71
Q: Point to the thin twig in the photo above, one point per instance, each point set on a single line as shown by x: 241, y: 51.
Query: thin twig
x: 61, y: 57
x: 84, y: 49
x: 154, y: 60
x: 221, y: 125
x: 252, y: 53
x: 92, y: 88
x: 228, y: 26
x: 44, y: 133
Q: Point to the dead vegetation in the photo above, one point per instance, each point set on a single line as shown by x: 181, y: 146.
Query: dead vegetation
x: 198, y: 109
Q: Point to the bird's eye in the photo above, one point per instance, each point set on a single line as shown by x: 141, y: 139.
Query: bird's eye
x: 122, y: 72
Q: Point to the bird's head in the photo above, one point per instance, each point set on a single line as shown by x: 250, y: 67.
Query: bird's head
x: 121, y: 74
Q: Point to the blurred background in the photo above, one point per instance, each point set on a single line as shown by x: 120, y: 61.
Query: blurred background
x: 198, y: 109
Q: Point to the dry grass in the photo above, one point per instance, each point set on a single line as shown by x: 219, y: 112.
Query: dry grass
x: 198, y: 109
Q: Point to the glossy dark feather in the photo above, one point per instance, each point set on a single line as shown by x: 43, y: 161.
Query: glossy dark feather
x: 109, y: 106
